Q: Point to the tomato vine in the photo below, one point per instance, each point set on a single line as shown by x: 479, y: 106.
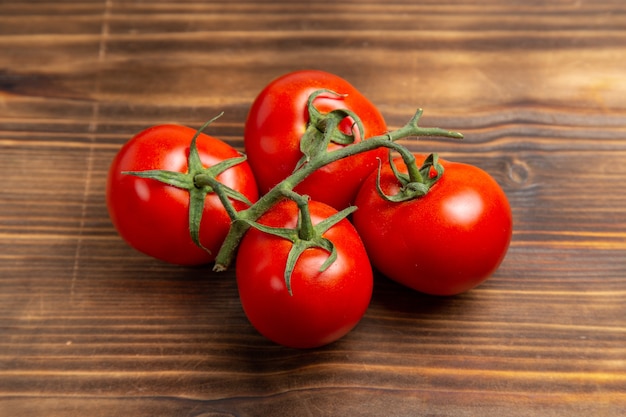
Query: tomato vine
x: 323, y: 128
x: 242, y: 220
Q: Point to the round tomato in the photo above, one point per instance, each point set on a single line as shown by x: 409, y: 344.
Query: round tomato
x: 443, y: 243
x: 278, y: 119
x: 153, y: 217
x: 322, y: 306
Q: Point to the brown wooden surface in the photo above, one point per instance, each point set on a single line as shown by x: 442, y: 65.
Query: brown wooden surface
x: 89, y: 327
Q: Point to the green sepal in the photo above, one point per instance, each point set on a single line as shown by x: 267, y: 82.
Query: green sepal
x: 314, y: 142
x: 175, y: 179
x: 431, y: 161
x: 207, y: 176
x: 298, y: 248
x: 300, y: 245
x: 205, y: 183
x: 329, y: 222
x: 401, y: 177
x: 337, y: 136
x: 410, y: 190
x: 196, y: 209
x: 323, y: 129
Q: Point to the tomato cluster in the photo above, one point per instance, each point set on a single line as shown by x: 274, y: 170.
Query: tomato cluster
x: 315, y: 205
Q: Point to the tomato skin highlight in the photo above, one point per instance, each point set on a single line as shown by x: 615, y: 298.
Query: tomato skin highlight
x: 325, y: 305
x: 153, y: 217
x: 444, y: 243
x: 278, y: 119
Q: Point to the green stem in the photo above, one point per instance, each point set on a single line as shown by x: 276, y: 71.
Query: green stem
x: 305, y: 225
x: 201, y: 180
x: 284, y: 188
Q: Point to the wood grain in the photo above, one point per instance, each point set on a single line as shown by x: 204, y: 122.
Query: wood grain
x: 90, y: 327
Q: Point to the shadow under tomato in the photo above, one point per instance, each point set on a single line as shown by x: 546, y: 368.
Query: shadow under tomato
x: 400, y: 299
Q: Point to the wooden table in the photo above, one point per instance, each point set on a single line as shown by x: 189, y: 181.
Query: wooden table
x: 90, y: 327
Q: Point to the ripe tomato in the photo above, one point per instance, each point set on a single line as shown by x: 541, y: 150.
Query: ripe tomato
x: 324, y: 306
x: 443, y: 243
x: 153, y: 217
x: 278, y: 119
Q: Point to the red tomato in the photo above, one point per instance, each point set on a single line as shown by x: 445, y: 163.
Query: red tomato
x: 325, y: 305
x: 277, y: 121
x: 153, y: 217
x: 443, y: 243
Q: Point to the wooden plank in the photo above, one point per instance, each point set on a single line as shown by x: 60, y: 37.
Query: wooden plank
x: 88, y: 326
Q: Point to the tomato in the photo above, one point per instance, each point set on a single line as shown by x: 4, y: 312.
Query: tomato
x: 153, y: 217
x: 277, y: 120
x: 323, y: 306
x: 443, y: 243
